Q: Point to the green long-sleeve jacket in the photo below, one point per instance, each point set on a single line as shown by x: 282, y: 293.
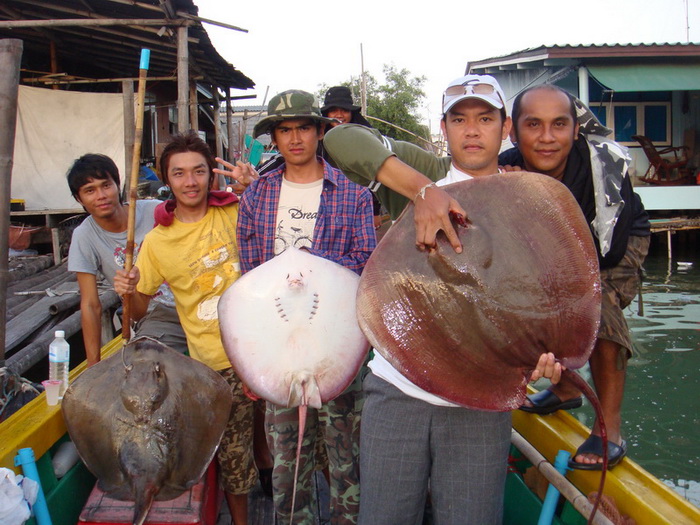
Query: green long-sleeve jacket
x: 360, y: 152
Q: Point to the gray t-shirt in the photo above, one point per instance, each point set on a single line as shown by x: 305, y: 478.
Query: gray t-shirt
x: 101, y: 253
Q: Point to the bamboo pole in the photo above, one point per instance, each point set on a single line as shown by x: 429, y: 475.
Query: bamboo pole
x: 133, y: 186
x: 10, y: 57
x: 563, y: 485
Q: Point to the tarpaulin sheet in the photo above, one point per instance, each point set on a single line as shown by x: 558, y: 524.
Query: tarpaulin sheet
x: 54, y: 128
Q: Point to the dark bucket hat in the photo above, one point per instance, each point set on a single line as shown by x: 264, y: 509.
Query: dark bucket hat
x: 339, y: 97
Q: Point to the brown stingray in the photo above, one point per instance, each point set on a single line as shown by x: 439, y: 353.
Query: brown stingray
x: 470, y: 327
x: 147, y: 422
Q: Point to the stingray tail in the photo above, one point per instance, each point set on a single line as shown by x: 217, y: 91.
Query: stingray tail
x: 142, y: 505
x: 300, y: 439
x: 584, y: 387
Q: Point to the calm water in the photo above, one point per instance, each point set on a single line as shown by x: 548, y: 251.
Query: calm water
x: 661, y: 411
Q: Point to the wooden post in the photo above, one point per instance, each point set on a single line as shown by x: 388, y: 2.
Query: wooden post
x: 129, y: 125
x: 229, y: 126
x: 10, y: 58
x: 194, y: 106
x: 217, y: 124
x: 183, y: 81
x: 217, y: 132
x: 54, y: 61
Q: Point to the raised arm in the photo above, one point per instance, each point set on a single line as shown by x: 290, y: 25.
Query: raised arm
x: 366, y: 157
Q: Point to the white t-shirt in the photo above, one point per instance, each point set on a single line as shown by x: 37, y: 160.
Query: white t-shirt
x: 296, y: 214
x: 382, y: 368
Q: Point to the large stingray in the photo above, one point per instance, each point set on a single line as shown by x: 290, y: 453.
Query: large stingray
x: 147, y: 422
x: 290, y: 330
x: 470, y: 327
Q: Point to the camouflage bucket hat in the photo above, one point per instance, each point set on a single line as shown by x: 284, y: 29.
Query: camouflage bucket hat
x: 289, y: 105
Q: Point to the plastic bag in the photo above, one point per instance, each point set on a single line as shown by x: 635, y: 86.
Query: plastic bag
x: 17, y: 495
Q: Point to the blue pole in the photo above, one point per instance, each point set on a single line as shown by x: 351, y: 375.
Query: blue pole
x: 551, y: 499
x: 25, y: 458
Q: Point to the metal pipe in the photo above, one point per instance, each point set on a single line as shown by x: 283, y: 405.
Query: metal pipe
x: 10, y: 58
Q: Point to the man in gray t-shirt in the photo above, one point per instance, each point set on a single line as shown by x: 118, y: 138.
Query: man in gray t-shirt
x: 98, y: 250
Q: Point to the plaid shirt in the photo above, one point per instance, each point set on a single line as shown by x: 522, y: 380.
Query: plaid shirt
x: 344, y: 231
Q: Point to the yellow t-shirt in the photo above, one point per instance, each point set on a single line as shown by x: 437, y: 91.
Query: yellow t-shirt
x: 199, y: 261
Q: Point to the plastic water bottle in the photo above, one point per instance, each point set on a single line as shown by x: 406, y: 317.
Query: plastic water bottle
x: 59, y: 359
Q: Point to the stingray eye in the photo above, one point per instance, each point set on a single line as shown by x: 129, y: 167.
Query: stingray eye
x: 156, y: 367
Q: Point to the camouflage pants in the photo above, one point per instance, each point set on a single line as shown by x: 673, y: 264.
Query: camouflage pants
x: 238, y: 473
x: 340, y: 424
x: 619, y: 285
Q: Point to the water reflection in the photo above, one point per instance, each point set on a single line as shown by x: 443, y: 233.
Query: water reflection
x: 661, y: 411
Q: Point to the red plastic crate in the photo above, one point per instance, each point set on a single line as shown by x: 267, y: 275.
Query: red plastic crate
x: 197, y: 506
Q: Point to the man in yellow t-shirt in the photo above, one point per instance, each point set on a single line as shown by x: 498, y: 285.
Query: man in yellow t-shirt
x: 193, y: 247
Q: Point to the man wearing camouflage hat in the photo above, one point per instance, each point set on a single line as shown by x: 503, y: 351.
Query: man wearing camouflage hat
x: 308, y: 204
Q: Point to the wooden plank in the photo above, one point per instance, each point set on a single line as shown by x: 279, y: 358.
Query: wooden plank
x: 91, y: 22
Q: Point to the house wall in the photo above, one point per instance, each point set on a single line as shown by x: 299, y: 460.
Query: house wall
x: 685, y: 110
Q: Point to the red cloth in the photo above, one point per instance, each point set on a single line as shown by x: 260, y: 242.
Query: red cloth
x: 165, y: 212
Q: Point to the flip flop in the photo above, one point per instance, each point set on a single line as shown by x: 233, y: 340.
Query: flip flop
x: 594, y: 445
x: 546, y: 402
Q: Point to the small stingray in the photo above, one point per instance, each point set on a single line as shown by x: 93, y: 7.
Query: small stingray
x: 290, y: 330
x: 470, y: 327
x: 147, y: 422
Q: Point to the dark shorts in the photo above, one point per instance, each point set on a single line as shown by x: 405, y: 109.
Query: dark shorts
x: 163, y: 324
x: 619, y: 285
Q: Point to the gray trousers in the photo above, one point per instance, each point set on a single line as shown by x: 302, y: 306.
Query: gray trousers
x: 408, y: 446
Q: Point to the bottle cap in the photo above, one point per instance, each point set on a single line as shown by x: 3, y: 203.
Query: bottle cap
x: 59, y: 333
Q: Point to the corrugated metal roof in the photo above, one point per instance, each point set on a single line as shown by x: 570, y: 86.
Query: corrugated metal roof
x: 113, y: 51
x: 677, y: 50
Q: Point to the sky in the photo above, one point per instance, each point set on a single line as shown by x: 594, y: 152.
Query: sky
x: 307, y: 43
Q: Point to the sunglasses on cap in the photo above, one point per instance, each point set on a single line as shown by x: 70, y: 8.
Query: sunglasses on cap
x: 470, y: 89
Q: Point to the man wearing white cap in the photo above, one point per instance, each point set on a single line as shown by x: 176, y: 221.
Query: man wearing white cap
x: 410, y: 438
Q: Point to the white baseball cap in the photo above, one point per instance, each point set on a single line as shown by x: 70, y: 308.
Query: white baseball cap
x: 483, y: 87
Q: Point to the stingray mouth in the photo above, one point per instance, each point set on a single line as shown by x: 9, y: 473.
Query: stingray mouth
x: 295, y: 281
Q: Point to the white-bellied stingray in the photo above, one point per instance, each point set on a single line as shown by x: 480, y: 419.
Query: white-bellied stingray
x: 147, y: 421
x: 290, y: 329
x: 470, y: 327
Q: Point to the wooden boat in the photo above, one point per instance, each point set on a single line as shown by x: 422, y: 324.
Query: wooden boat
x: 635, y: 491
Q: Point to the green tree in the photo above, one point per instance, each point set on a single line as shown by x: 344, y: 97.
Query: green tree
x: 397, y: 102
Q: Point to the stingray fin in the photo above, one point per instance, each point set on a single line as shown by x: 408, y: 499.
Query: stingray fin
x: 303, y: 390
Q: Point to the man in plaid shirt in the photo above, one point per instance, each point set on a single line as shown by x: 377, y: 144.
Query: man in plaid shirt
x: 308, y: 204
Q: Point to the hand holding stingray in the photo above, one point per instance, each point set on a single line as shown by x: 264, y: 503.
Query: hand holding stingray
x: 147, y: 422
x: 470, y: 327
